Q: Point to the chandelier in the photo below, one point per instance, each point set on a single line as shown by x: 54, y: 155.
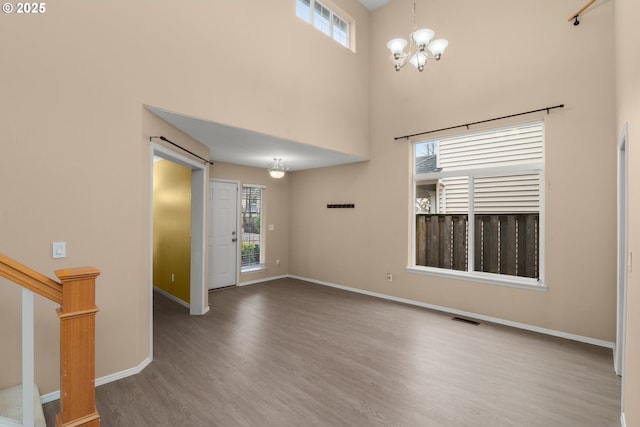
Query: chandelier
x: 419, y: 39
x: 277, y: 170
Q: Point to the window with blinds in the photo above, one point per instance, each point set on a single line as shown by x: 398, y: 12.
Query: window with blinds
x: 478, y: 203
x: 252, y: 242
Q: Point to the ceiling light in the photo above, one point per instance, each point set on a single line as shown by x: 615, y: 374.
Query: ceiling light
x: 278, y: 170
x: 417, y: 56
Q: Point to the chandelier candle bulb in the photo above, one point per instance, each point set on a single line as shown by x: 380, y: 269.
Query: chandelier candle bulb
x: 418, y: 60
x: 396, y: 46
x: 422, y: 37
x: 437, y: 47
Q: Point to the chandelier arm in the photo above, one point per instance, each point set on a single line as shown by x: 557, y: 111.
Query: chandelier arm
x: 404, y: 60
x: 401, y: 62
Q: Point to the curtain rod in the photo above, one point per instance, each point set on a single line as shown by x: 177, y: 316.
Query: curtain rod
x: 481, y: 121
x: 182, y: 148
x: 576, y: 15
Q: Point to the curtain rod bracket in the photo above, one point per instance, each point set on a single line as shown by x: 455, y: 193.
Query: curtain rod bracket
x: 576, y: 15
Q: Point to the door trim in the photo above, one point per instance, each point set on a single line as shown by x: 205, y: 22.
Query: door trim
x: 199, y: 297
x: 238, y: 225
x: 623, y: 256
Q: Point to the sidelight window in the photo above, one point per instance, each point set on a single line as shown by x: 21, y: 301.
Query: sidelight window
x: 252, y: 236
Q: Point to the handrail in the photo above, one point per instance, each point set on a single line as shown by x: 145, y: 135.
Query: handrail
x: 76, y: 296
x: 28, y: 278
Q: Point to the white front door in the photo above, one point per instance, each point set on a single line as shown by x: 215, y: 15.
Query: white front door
x: 223, y: 234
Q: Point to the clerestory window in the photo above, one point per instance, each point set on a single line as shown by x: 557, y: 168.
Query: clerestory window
x: 325, y: 20
x: 478, y: 205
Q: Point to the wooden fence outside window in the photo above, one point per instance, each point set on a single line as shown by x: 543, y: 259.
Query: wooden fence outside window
x: 504, y: 243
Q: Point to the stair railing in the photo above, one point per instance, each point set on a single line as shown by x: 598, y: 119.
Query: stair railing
x: 76, y: 295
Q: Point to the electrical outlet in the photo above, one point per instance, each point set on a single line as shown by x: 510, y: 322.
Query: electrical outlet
x: 389, y: 277
x: 173, y: 277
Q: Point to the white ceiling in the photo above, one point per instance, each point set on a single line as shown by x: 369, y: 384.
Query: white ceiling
x: 228, y: 144
x: 374, y: 4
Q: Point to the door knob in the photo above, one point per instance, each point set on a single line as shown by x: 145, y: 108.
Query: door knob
x: 234, y: 239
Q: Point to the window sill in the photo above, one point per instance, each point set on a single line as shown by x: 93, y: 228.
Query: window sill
x: 488, y: 278
x: 253, y: 268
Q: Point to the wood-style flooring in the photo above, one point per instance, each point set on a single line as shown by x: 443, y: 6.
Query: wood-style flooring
x: 290, y: 353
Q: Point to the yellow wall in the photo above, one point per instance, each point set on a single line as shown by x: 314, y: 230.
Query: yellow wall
x: 628, y: 89
x: 172, y: 228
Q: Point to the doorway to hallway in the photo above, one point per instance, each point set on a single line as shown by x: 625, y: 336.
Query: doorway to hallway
x: 198, y: 297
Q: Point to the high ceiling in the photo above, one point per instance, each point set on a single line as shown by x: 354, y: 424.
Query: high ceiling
x: 229, y: 144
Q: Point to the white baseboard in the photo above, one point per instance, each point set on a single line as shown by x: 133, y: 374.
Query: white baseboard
x: 266, y: 279
x: 171, y: 297
x: 560, y: 334
x: 55, y: 395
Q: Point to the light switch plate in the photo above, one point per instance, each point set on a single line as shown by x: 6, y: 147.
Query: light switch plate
x: 59, y: 250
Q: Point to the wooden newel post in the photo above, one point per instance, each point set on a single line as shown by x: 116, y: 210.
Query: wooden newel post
x: 77, y: 348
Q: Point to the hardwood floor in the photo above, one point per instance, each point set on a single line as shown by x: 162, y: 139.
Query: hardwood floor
x: 290, y: 353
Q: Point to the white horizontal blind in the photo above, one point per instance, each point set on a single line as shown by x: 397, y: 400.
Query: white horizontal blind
x: 251, y: 226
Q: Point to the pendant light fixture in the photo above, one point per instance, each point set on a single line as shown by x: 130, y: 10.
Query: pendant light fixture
x: 278, y: 170
x: 419, y: 39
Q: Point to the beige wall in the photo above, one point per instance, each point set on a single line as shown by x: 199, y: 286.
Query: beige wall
x: 628, y: 88
x: 504, y: 57
x: 75, y: 163
x: 74, y: 82
x: 172, y: 228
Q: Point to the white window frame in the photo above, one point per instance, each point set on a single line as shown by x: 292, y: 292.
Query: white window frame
x: 472, y: 173
x: 332, y: 16
x: 261, y: 265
